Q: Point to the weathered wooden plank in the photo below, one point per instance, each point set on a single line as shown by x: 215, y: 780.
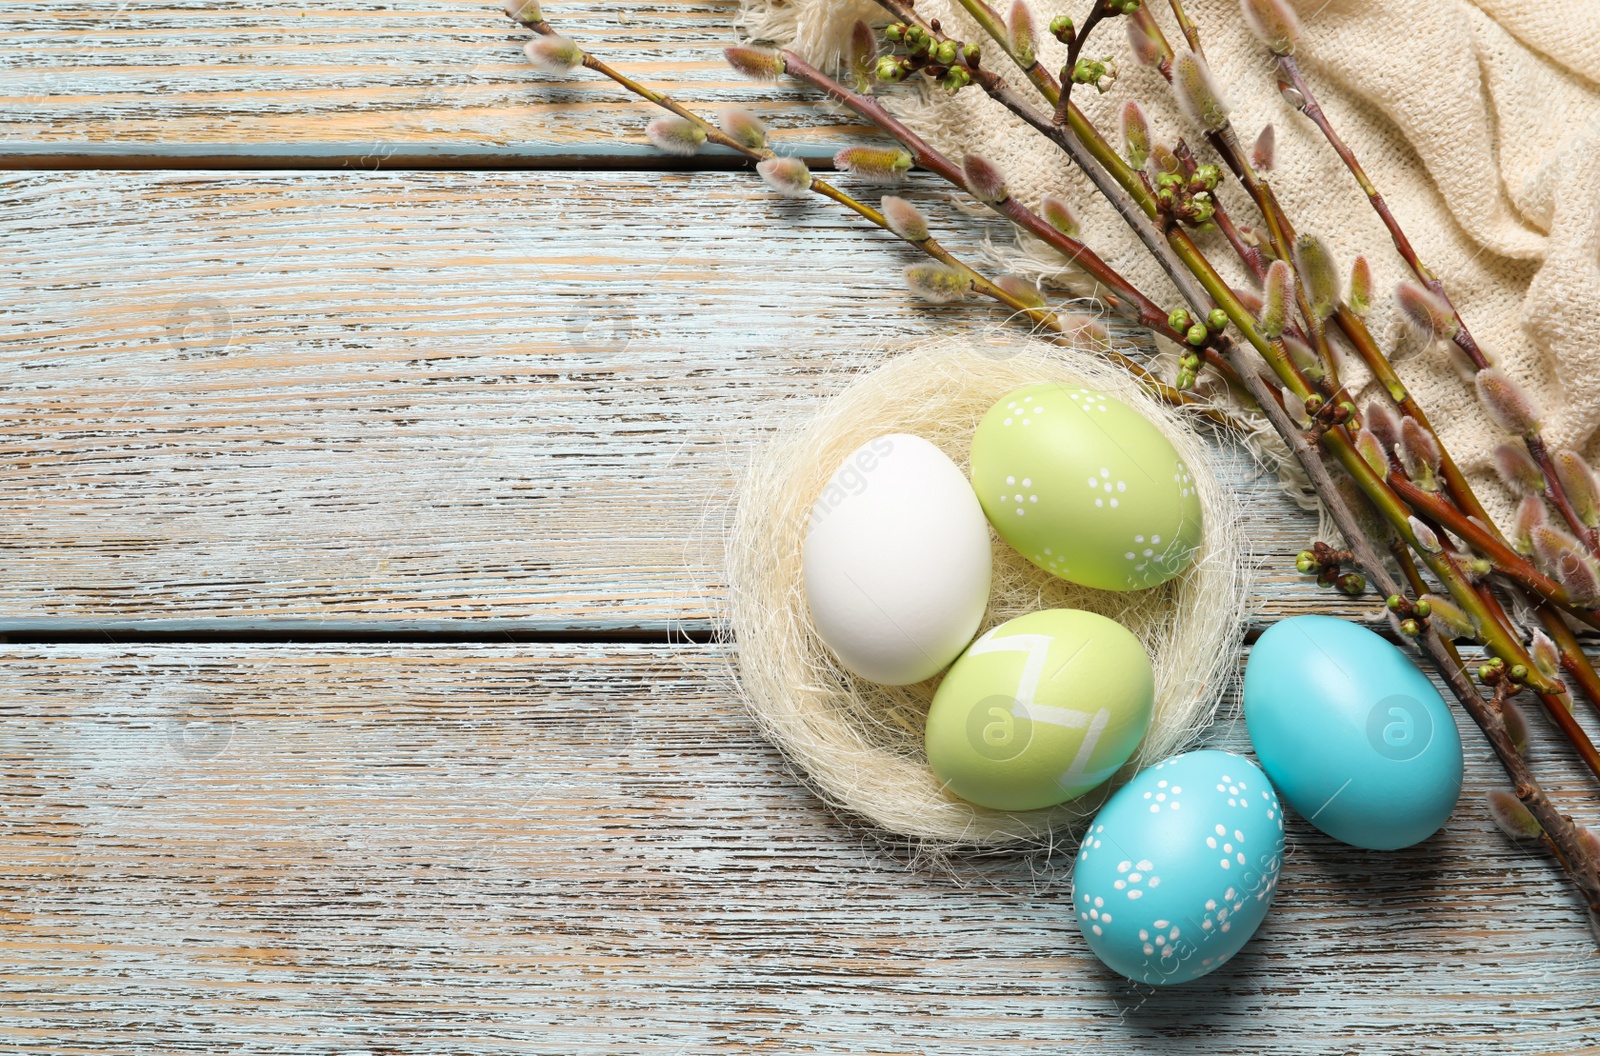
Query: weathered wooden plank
x: 422, y: 396
x: 371, y: 157
x: 571, y: 850
x: 380, y: 74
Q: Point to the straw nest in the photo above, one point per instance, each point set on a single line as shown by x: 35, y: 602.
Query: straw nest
x: 860, y: 745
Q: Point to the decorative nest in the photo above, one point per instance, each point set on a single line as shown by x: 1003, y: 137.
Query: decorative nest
x: 860, y: 744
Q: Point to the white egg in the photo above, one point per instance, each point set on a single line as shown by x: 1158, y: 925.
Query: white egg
x: 897, y: 561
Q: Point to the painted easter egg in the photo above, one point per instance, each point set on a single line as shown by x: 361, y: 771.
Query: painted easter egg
x: 1178, y: 869
x: 896, y: 561
x: 1085, y: 487
x: 1040, y: 709
x: 1356, y: 739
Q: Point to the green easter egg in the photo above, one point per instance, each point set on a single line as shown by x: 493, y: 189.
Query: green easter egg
x: 1085, y: 487
x: 1040, y: 709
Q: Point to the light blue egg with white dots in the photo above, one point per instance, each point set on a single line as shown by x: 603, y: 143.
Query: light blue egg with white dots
x: 1178, y: 869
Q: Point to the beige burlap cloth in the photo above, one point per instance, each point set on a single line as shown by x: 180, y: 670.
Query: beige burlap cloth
x: 1479, y: 122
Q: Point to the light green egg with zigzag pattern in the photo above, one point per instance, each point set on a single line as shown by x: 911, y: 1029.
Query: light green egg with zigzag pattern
x: 1086, y: 487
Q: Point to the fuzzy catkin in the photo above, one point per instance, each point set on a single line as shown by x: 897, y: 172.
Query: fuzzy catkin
x: 860, y: 744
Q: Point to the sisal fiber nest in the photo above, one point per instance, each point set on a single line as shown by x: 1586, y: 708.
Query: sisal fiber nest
x: 859, y: 744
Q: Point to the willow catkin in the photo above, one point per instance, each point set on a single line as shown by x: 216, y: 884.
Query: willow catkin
x: 860, y: 744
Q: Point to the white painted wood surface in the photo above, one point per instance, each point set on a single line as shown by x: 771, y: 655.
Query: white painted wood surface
x: 572, y: 850
x: 423, y: 395
x: 253, y: 403
x: 376, y: 73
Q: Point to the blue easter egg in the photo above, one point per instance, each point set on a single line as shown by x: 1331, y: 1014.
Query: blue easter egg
x: 1355, y: 738
x: 1178, y: 870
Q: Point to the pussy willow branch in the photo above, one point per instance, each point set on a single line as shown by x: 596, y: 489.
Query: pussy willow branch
x: 1081, y: 37
x: 1463, y: 339
x: 930, y: 246
x: 1145, y: 311
x: 1574, y: 660
x: 1135, y: 206
x: 1563, y: 834
x: 1501, y: 640
x: 1499, y: 631
x: 1456, y: 484
x: 1225, y: 141
x: 1574, y: 855
x: 1489, y: 543
x: 1281, y: 233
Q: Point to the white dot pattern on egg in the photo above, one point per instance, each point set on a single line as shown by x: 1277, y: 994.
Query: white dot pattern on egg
x: 1086, y: 488
x: 1186, y: 857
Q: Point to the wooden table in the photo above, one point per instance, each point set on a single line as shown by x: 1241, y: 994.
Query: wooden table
x: 368, y: 411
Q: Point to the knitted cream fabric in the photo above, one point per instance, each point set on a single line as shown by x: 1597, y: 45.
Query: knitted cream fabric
x: 1478, y: 120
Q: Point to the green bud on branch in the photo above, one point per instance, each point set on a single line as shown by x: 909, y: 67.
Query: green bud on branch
x: 1100, y: 73
x: 1062, y: 29
x: 1351, y: 584
x: 892, y: 70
